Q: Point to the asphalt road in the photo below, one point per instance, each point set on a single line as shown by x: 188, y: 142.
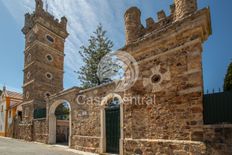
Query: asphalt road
x: 19, y: 147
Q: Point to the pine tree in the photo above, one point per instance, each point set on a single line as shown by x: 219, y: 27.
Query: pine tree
x: 228, y: 79
x: 98, y: 46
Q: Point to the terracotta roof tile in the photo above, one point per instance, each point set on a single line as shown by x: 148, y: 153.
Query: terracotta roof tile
x: 14, y: 95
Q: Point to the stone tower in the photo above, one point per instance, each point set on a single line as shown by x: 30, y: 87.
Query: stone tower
x: 44, y: 58
x: 133, y: 24
x: 185, y: 7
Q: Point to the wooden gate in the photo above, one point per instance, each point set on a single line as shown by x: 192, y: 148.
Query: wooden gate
x: 112, y: 119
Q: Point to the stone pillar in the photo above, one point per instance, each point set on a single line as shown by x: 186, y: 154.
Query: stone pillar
x: 185, y: 7
x: 133, y: 24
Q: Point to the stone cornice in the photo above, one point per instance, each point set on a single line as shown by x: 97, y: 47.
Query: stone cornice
x: 26, y: 84
x: 43, y: 45
x: 47, y: 66
x: 27, y: 102
x: 64, y: 92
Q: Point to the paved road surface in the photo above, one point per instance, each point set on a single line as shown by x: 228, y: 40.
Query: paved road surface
x: 18, y: 147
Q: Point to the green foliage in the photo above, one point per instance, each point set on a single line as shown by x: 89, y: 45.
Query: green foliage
x: 228, y: 79
x: 62, y: 112
x: 0, y: 92
x: 98, y: 46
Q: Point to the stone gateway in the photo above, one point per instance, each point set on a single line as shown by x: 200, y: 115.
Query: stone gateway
x: 168, y: 118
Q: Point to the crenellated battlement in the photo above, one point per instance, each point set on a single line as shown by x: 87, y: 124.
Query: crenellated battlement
x: 178, y: 11
x: 45, y: 19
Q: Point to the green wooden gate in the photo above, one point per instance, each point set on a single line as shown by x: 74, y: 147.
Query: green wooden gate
x: 112, y: 129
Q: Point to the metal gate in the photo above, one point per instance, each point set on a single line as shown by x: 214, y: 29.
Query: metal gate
x: 112, y: 119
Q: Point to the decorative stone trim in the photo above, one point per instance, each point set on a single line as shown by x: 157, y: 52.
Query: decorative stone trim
x: 28, y: 75
x: 28, y: 58
x: 28, y: 83
x: 44, y: 46
x: 27, y: 95
x: 49, y: 75
x: 49, y: 57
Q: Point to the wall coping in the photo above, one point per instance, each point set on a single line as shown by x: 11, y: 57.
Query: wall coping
x: 218, y: 126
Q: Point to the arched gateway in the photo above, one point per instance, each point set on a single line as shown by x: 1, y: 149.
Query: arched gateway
x: 52, y: 138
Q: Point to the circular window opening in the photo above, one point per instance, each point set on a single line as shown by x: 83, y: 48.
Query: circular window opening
x: 49, y: 58
x: 30, y: 38
x: 155, y: 78
x: 27, y: 95
x: 49, y: 76
x: 29, y: 58
x: 49, y: 39
x: 47, y: 94
x: 28, y: 75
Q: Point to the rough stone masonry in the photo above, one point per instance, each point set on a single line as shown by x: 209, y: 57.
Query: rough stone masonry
x: 169, y: 55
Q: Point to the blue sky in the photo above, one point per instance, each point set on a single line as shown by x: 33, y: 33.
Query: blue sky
x: 84, y: 16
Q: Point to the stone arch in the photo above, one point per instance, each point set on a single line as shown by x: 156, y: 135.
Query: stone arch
x: 103, y: 125
x: 52, y: 121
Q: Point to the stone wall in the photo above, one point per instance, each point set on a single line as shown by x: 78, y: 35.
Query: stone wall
x: 86, y: 120
x: 23, y: 131
x: 218, y: 139
x: 164, y: 147
x: 173, y: 54
x: 37, y: 130
x: 40, y: 130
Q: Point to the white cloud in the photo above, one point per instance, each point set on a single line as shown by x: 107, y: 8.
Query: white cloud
x: 83, y: 17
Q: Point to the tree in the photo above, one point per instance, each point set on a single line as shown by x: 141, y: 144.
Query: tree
x: 98, y: 46
x: 228, y: 79
x: 0, y: 92
x: 62, y: 112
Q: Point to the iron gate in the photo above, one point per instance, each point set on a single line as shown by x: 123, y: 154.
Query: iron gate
x: 112, y: 129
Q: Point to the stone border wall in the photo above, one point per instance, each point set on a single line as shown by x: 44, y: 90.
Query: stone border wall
x: 23, y: 131
x: 37, y: 130
x: 218, y: 139
x: 169, y: 147
x: 40, y: 130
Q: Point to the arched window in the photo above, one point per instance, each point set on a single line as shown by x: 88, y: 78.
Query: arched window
x: 114, y: 102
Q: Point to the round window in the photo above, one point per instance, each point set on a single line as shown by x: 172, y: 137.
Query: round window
x: 49, y: 38
x: 49, y: 76
x: 28, y: 75
x: 27, y: 95
x: 29, y: 58
x: 155, y: 78
x: 49, y: 58
x: 47, y: 94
